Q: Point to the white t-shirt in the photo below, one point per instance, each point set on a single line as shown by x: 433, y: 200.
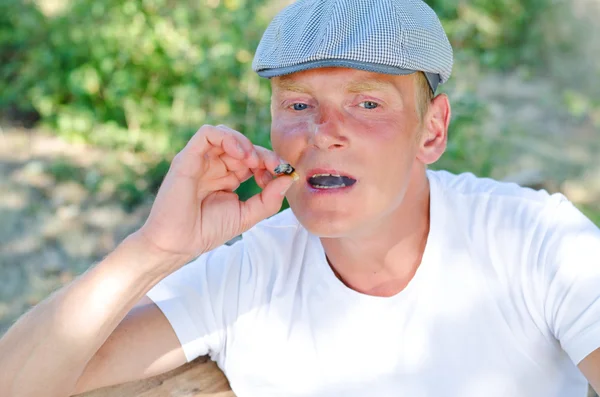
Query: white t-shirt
x: 505, y: 303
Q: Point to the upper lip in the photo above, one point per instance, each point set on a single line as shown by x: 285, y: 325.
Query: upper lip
x: 327, y: 171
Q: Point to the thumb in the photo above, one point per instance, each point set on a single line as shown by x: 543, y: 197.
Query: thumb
x: 265, y: 203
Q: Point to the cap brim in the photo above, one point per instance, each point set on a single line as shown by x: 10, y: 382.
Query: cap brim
x: 432, y: 78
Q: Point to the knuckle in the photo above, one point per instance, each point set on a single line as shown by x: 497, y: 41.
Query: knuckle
x: 205, y: 127
x: 224, y: 128
x: 208, y: 128
x: 231, y: 131
x: 265, y: 153
x: 178, y: 159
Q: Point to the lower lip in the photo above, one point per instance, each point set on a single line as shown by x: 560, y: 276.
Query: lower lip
x: 337, y: 190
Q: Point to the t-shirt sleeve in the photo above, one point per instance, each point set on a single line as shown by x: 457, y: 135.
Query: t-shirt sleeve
x: 570, y: 263
x: 200, y: 300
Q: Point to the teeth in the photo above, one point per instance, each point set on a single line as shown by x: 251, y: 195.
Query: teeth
x: 325, y: 175
x: 328, y: 187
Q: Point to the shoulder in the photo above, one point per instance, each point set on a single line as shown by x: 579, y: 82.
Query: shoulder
x: 508, y: 217
x: 500, y: 219
x: 487, y: 199
x: 467, y: 185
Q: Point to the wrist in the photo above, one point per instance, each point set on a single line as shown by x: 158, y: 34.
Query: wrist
x: 145, y: 258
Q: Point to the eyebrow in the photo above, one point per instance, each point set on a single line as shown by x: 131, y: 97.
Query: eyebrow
x: 368, y: 85
x: 286, y: 83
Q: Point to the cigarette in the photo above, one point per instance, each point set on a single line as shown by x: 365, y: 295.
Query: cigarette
x: 286, y: 169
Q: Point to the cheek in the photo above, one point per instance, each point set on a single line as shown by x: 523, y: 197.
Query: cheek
x: 390, y: 150
x: 288, y: 137
x: 383, y: 128
x: 385, y: 139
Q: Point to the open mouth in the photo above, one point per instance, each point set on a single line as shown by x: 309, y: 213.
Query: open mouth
x: 330, y: 181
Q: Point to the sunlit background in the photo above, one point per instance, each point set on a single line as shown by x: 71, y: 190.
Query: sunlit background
x: 97, y: 96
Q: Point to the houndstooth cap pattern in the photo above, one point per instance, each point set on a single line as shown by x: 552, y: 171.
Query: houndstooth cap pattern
x: 384, y: 36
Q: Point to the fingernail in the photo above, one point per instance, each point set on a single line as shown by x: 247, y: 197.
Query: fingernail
x: 240, y: 148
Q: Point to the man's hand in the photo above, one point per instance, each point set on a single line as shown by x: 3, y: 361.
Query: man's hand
x: 196, y: 208
x: 82, y: 336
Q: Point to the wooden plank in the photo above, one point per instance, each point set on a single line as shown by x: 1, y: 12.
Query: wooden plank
x: 200, y: 378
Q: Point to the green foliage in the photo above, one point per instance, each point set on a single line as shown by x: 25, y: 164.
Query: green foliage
x: 144, y: 75
x: 21, y: 27
x: 63, y: 170
x: 132, y: 190
x: 140, y: 75
x: 592, y: 212
x: 469, y: 148
x: 500, y: 33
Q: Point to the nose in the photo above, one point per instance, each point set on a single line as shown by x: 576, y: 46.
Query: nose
x: 327, y: 131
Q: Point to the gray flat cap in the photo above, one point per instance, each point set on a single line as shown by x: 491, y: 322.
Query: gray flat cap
x: 384, y: 36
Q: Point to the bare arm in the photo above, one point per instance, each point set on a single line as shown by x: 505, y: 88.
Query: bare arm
x: 143, y: 345
x: 590, y: 367
x: 82, y: 337
x: 47, y: 350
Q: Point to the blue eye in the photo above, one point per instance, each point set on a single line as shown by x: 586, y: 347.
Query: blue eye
x: 300, y: 106
x: 369, y: 105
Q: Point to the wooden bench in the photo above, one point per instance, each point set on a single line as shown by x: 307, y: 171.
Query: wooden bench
x: 199, y: 378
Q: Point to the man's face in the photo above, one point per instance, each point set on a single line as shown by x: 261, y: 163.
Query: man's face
x: 361, y: 128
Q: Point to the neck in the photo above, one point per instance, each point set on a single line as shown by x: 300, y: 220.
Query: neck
x: 383, y: 259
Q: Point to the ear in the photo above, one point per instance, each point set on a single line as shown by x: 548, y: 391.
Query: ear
x: 434, y: 135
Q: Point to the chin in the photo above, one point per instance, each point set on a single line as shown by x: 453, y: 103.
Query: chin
x: 327, y: 224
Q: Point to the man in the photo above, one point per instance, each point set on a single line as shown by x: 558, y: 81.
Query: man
x: 383, y: 279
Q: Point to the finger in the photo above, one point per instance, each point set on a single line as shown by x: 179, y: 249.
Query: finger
x: 243, y: 175
x: 262, y: 177
x: 241, y: 138
x: 238, y: 167
x: 251, y: 156
x: 263, y: 173
x: 268, y: 158
x: 228, y: 183
x: 207, y: 143
x: 266, y: 203
x: 210, y: 142
x: 233, y: 164
x: 208, y: 137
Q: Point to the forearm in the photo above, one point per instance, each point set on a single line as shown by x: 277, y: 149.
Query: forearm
x: 45, y: 352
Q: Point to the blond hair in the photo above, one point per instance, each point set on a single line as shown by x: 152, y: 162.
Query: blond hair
x: 423, y: 94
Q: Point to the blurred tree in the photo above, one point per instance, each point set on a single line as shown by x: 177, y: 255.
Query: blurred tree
x: 140, y: 75
x: 22, y: 25
x: 501, y: 33
x: 143, y: 75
